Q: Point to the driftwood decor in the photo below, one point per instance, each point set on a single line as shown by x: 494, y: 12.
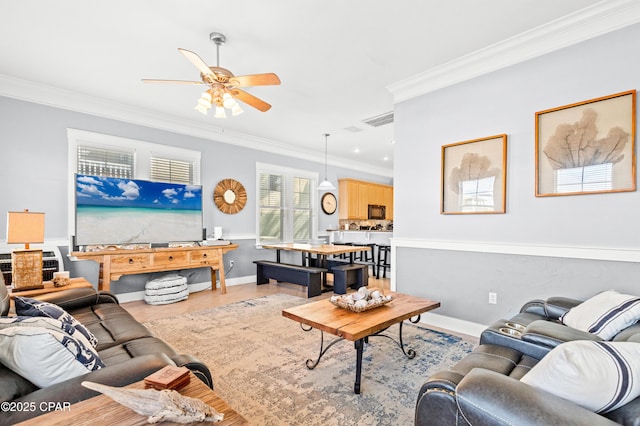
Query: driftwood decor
x: 159, y: 406
x: 587, y: 147
x: 474, y: 176
x: 229, y: 196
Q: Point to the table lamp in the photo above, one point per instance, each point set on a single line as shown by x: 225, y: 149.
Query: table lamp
x: 26, y: 265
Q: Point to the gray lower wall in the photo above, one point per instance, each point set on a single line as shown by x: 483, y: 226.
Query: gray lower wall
x: 505, y: 101
x: 461, y: 281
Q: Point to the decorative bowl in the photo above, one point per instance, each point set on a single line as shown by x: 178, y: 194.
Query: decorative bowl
x: 355, y: 305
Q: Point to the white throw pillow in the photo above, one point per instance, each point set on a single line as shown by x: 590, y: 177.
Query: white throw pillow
x: 599, y: 376
x: 44, y: 322
x: 45, y: 357
x: 36, y: 308
x: 605, y: 314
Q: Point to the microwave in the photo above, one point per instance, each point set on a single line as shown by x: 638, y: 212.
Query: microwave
x: 377, y: 212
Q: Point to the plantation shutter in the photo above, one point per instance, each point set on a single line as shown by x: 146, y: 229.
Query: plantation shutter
x: 173, y: 171
x: 105, y: 162
x: 271, y: 207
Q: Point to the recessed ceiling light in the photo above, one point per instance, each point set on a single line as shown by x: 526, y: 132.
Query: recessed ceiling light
x: 393, y: 142
x: 356, y: 150
x: 386, y: 158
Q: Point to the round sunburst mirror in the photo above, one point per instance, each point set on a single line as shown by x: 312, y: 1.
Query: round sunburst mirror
x: 229, y: 196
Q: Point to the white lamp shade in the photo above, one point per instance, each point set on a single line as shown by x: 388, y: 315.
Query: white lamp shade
x: 325, y: 185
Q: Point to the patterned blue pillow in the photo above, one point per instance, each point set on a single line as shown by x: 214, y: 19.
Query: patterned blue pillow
x: 46, y: 357
x: 36, y: 308
x: 599, y: 376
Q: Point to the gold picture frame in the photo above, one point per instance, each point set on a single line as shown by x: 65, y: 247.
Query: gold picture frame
x: 587, y: 147
x: 229, y: 196
x: 474, y: 176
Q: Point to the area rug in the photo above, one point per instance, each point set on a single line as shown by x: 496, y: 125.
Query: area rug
x: 257, y: 360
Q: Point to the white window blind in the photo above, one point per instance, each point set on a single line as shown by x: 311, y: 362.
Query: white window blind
x: 105, y: 162
x: 169, y: 170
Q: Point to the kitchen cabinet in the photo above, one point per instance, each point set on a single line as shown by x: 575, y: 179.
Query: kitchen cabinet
x: 354, y: 197
x: 348, y: 199
x: 387, y: 197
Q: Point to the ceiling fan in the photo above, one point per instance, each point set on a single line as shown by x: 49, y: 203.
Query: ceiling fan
x: 224, y: 87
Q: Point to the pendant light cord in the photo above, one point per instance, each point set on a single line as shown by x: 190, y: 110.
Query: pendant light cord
x: 326, y: 135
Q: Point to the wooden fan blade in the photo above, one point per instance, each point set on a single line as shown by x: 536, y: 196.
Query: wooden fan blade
x: 267, y: 79
x: 196, y: 60
x: 251, y: 100
x: 149, y: 80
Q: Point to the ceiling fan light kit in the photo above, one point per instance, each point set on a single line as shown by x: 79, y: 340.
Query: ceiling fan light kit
x: 224, y: 87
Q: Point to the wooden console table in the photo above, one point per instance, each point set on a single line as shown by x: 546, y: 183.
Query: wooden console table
x: 116, y: 263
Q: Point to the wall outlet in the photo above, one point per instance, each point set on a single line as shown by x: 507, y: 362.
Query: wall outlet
x: 493, y: 298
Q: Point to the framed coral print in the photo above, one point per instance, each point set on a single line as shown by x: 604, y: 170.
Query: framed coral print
x: 587, y: 147
x: 474, y: 176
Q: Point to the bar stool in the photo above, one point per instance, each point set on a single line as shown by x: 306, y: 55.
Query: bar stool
x: 383, y: 260
x: 341, y: 255
x: 365, y: 256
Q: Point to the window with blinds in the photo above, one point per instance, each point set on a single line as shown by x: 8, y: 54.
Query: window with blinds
x: 286, y: 202
x: 105, y: 162
x: 173, y: 171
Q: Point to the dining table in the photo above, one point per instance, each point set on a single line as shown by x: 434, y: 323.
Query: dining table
x: 321, y: 251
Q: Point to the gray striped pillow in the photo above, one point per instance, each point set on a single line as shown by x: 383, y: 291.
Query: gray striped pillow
x: 599, y: 376
x: 605, y: 314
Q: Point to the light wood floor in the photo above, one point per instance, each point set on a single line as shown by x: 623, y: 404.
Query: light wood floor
x: 144, y: 312
x: 205, y: 299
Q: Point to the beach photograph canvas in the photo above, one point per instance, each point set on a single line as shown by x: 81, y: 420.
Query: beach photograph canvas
x: 127, y: 211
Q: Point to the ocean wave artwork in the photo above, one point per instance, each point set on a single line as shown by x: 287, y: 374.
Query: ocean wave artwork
x: 124, y: 211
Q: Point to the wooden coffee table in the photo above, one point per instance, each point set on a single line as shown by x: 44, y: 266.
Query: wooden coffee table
x: 102, y: 410
x: 358, y: 327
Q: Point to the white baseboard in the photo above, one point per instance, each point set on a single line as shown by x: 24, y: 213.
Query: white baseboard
x: 452, y: 324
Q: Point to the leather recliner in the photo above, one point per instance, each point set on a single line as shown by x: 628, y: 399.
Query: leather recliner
x: 129, y: 350
x: 484, y: 388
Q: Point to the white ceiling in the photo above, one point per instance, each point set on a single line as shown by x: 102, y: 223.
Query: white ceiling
x: 335, y: 58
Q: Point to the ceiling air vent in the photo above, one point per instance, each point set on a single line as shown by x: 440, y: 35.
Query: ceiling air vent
x: 353, y: 129
x: 380, y: 120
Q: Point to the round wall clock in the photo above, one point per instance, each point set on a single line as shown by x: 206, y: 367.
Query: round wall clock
x: 229, y: 196
x: 329, y: 203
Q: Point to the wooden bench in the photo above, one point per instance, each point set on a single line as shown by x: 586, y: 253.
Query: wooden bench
x: 355, y: 275
x: 309, y: 276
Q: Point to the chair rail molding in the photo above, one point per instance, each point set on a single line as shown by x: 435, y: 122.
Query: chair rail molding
x: 572, y: 252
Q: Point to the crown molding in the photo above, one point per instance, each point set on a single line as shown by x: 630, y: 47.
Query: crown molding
x: 29, y: 91
x: 595, y: 20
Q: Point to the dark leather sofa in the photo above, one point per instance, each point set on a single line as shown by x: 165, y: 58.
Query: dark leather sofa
x: 484, y: 388
x: 129, y: 350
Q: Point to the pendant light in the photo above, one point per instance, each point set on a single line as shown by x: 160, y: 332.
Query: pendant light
x: 325, y: 185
